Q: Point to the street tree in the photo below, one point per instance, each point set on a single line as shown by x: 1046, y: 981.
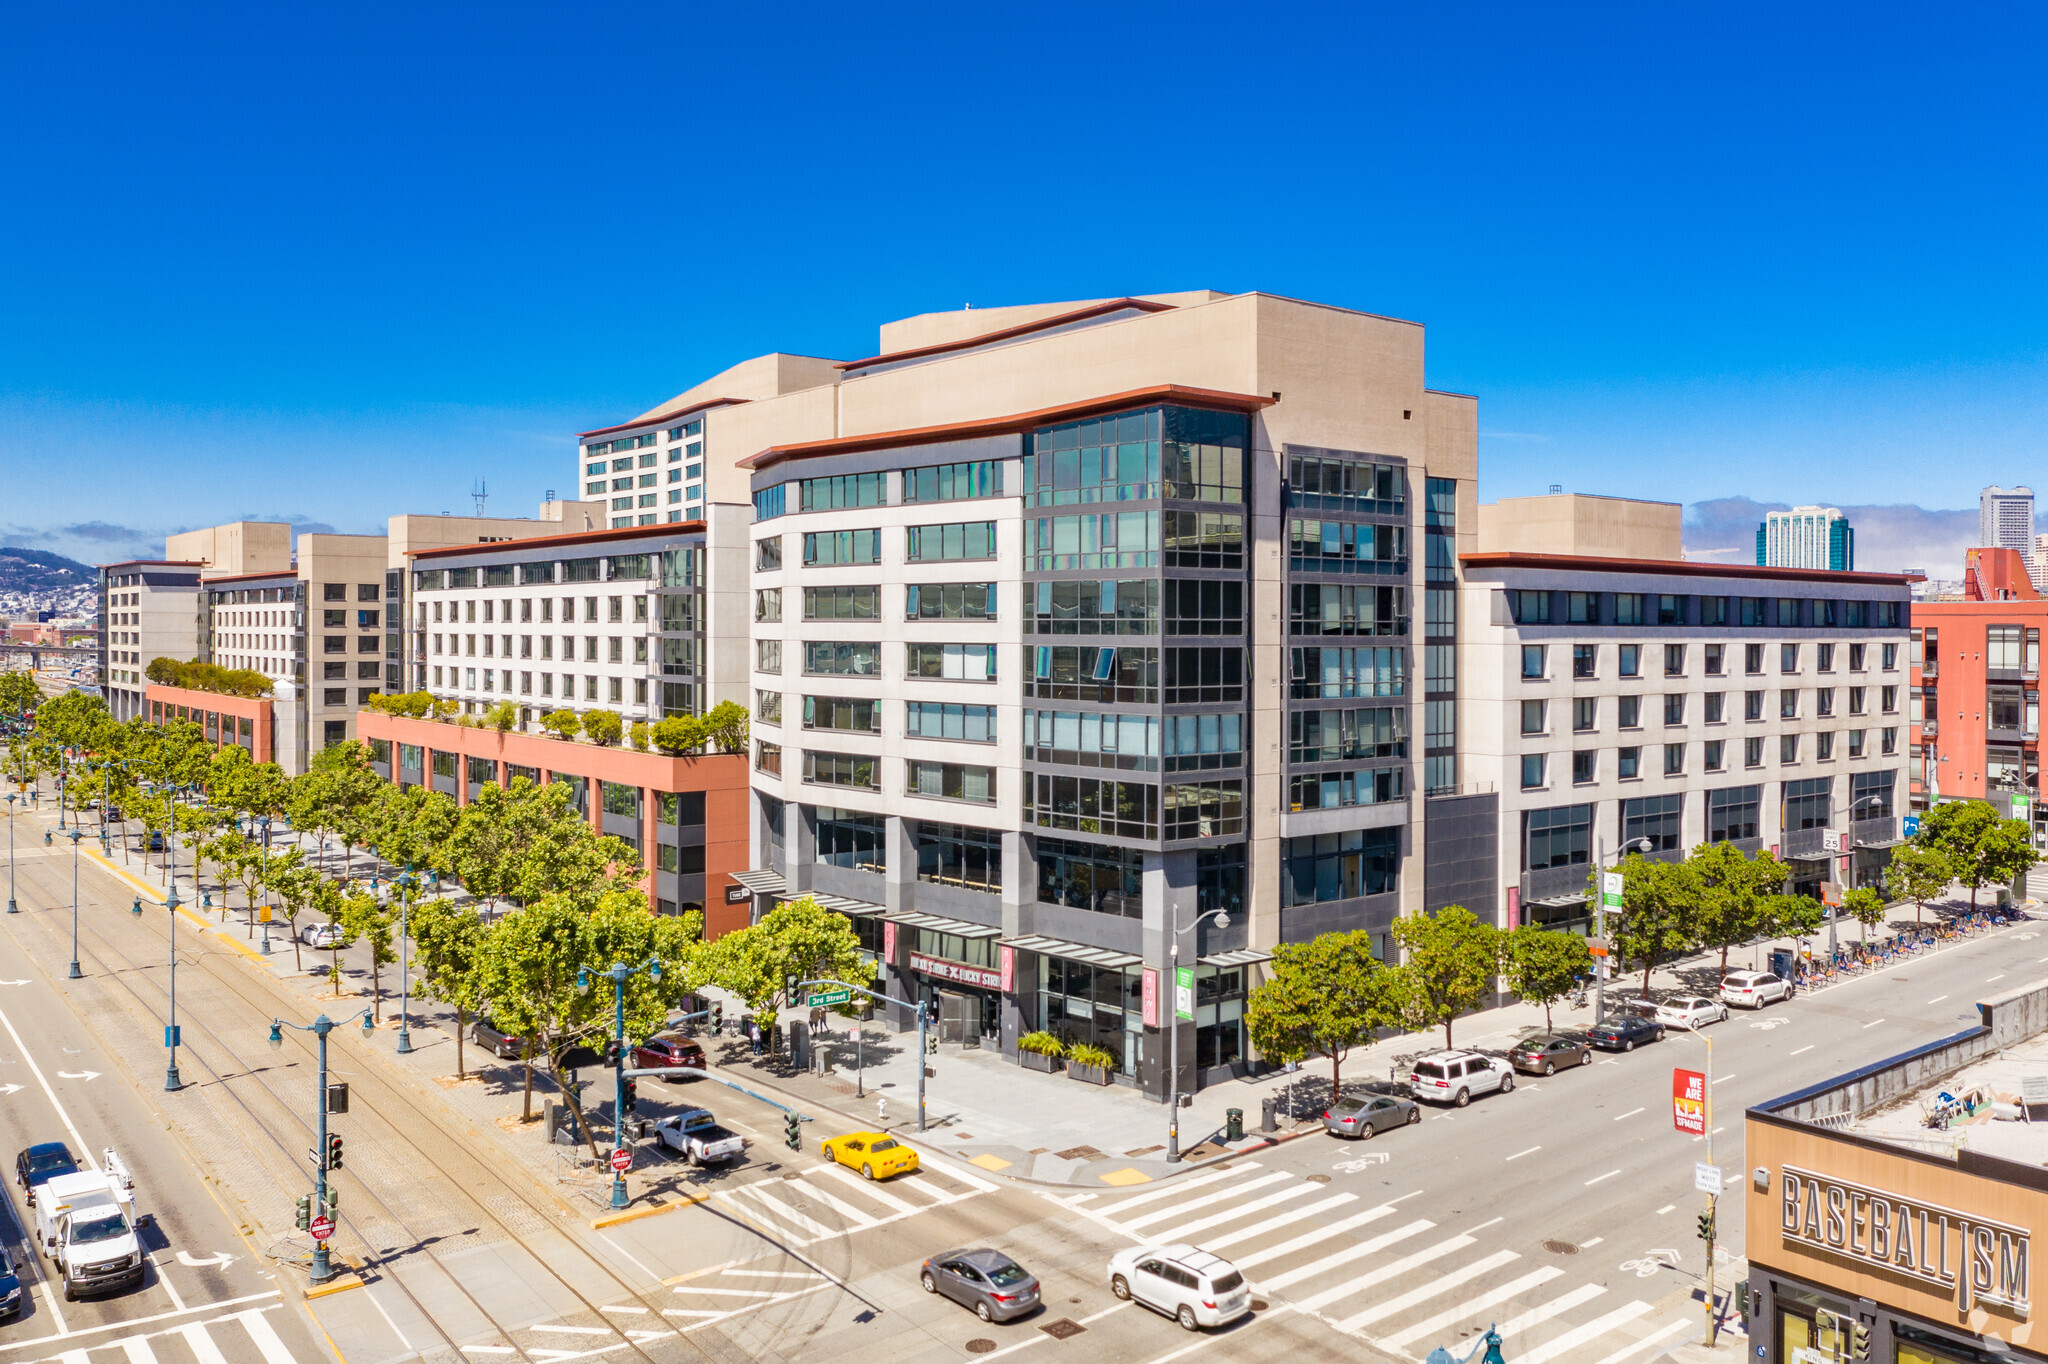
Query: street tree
x: 1448, y: 965
x: 1918, y: 872
x: 294, y: 885
x: 447, y: 938
x: 1541, y: 965
x: 1322, y: 998
x: 19, y: 693
x: 1660, y: 912
x: 1733, y: 890
x: 1981, y: 848
x: 1867, y: 907
x: 368, y: 919
x: 489, y: 844
x: 350, y: 791
x: 1796, y: 917
x: 329, y: 898
x: 413, y: 828
x: 797, y: 940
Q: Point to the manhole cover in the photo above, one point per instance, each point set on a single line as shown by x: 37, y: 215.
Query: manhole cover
x: 1319, y: 1179
x: 1560, y: 1247
x: 1063, y: 1329
x: 980, y: 1345
x: 1260, y: 1304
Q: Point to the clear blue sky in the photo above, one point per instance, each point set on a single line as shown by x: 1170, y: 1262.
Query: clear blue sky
x: 332, y: 263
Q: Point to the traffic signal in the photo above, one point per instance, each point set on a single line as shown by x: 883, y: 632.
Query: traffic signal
x: 333, y: 1199
x: 304, y: 1218
x: 1707, y: 1225
x: 792, y: 1132
x: 1859, y: 1340
x: 337, y: 1098
x: 931, y: 1044
x: 630, y: 1096
x: 334, y: 1152
x: 717, y: 1018
x: 611, y: 1053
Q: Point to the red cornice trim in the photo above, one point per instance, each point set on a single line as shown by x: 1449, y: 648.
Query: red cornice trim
x: 291, y: 573
x: 1676, y: 568
x: 1017, y: 422
x: 1023, y: 329
x: 581, y: 537
x: 155, y: 563
x: 660, y: 420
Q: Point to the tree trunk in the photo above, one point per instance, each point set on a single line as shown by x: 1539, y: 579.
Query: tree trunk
x: 1336, y: 1065
x: 298, y: 962
x: 1546, y: 1015
x: 1447, y: 1033
x: 461, y: 1026
x: 376, y: 988
x: 1724, y: 958
x: 575, y: 1106
x: 527, y: 1116
x: 1649, y: 965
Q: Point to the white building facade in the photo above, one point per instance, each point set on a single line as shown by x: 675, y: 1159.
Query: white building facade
x: 2005, y: 519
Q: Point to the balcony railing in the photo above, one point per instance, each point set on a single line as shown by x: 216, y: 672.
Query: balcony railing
x: 1866, y: 832
x: 1803, y: 842
x: 1930, y: 727
x: 1930, y: 667
x: 1550, y: 883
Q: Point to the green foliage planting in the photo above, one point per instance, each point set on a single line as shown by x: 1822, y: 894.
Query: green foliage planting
x: 193, y: 675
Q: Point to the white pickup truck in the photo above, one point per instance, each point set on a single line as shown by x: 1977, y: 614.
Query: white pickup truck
x: 695, y: 1135
x: 86, y: 1224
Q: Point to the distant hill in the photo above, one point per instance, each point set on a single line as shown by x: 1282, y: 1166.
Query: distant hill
x: 35, y: 570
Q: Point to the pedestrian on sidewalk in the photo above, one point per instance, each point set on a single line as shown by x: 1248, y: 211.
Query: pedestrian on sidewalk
x: 882, y: 1112
x: 754, y: 1034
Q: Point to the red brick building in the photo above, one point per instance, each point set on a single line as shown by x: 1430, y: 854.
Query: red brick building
x: 245, y: 720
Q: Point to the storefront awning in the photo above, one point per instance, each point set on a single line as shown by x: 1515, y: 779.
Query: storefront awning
x: 1238, y: 956
x: 959, y: 928
x: 762, y: 882
x: 1559, y: 901
x: 858, y: 909
x: 1073, y: 951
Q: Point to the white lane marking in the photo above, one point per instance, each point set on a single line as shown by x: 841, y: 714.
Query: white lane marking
x: 1873, y: 1022
x: 1937, y: 999
x: 1675, y: 1328
x: 1536, y: 1316
x: 1187, y: 1229
x: 1579, y: 1335
x: 201, y: 1344
x: 1722, y: 1079
x: 138, y: 1351
x: 761, y: 1204
x: 1182, y: 1186
x: 84, y: 1151
x: 1807, y: 1047
x: 1999, y: 976
x: 1588, y: 1245
x: 1429, y: 1326
x: 1348, y: 1254
x: 867, y: 1189
x: 621, y: 1307
x: 1309, y: 1238
x: 260, y: 1331
x: 1258, y: 1229
x: 573, y: 1330
x: 1484, y: 1225
x: 1597, y: 1178
x: 649, y: 1335
x: 1405, y: 1197
x: 727, y: 1292
x: 1383, y: 1273
x: 690, y: 1312
x: 1443, y: 1284
x: 845, y: 1209
x: 1134, y: 1223
x: 1666, y: 1208
x: 773, y: 1274
x: 1530, y: 1152
x: 50, y: 1301
x: 1630, y: 1114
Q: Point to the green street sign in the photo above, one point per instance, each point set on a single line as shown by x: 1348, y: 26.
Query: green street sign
x: 1184, y: 992
x: 825, y: 997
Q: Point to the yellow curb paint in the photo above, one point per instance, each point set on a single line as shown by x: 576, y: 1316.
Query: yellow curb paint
x: 339, y: 1285
x: 1125, y: 1176
x: 990, y: 1162
x: 614, y: 1219
x: 243, y: 948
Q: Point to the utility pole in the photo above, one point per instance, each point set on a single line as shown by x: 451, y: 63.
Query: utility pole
x: 1708, y: 1222
x: 324, y: 1154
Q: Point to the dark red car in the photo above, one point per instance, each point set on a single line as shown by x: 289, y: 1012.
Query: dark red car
x: 668, y: 1050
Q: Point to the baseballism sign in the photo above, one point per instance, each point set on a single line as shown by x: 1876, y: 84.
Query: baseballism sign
x: 1975, y: 1258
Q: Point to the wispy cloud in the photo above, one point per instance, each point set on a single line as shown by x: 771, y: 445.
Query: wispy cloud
x: 1889, y: 536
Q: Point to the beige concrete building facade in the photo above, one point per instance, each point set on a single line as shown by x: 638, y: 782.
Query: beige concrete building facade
x: 1582, y: 525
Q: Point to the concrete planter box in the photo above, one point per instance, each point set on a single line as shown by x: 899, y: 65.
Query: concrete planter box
x: 1039, y: 1061
x: 1088, y: 1075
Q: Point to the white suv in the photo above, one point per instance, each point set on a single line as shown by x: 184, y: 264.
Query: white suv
x: 1455, y: 1076
x: 1188, y: 1284
x: 1753, y: 989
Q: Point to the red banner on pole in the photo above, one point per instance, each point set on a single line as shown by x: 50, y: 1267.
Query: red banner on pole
x: 1009, y: 956
x: 1689, y: 1102
x: 889, y: 942
x: 1150, y: 997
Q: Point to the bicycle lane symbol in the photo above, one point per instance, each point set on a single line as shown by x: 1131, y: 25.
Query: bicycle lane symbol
x: 1360, y: 1164
x: 1650, y: 1262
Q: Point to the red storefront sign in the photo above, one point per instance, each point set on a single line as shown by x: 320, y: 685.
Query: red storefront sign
x: 940, y: 969
x: 889, y: 941
x: 1009, y: 969
x: 1689, y: 1102
x: 1150, y: 986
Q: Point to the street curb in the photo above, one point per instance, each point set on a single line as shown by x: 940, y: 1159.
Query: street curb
x: 342, y: 1284
x: 682, y: 1201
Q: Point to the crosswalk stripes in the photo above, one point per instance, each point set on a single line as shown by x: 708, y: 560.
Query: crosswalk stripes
x: 193, y: 1342
x: 714, y: 1297
x: 828, y: 1200
x: 1400, y: 1284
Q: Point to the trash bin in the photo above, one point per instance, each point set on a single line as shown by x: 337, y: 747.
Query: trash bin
x: 1233, y: 1124
x: 1269, y: 1111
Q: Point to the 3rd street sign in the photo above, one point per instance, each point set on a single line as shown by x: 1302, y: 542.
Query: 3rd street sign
x: 821, y: 998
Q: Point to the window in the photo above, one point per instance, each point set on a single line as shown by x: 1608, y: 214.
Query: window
x: 1888, y: 698
x: 1788, y: 703
x: 1890, y: 742
x: 843, y: 658
x: 768, y: 757
x: 1088, y: 607
x: 1674, y: 760
x: 1628, y: 712
x: 1788, y: 749
x: 1628, y: 608
x: 830, y: 548
x: 1585, y: 767
x: 2002, y: 648
x: 1340, y: 866
x: 1824, y: 702
x: 1206, y: 676
x: 1532, y: 771
x: 1120, y: 809
x: 1788, y: 658
x: 1353, y: 485
x: 1674, y: 709
x: 1533, y: 713
x: 1092, y: 877
x: 1582, y: 608
x: 843, y: 712
x: 1824, y: 658
x: 842, y: 603
x: 1530, y: 608
x: 1856, y: 700
x: 1105, y: 540
x: 1628, y: 763
x: 1714, y: 611
x: 1753, y: 658
x: 1714, y: 701
x: 960, y: 856
x: 1715, y: 653
x: 841, y: 769
x: 1711, y: 754
x: 1753, y: 752
x: 950, y: 781
x: 1808, y: 803
x: 1347, y: 547
x: 840, y: 491
x: 768, y: 554
x: 1105, y: 459
x: 1870, y: 795
x: 1585, y: 713
x: 1532, y: 661
x: 1789, y: 612
x: 768, y: 603
x: 952, y: 720
x: 1321, y: 736
x: 767, y: 655
x: 953, y: 601
x: 953, y: 482
x: 960, y: 540
x: 1856, y: 743
x: 1585, y: 659
x: 1656, y: 818
x: 954, y: 662
x: 1674, y: 660
x: 768, y: 707
x: 1561, y: 836
x: 1630, y: 656
x: 1198, y: 606
x: 847, y: 838
x: 1110, y: 676
x: 1752, y: 705
x: 1857, y: 654
x: 1344, y: 790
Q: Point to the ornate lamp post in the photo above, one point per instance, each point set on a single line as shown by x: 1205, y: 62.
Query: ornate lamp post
x: 76, y: 835
x: 1222, y: 918
x: 619, y: 974
x: 320, y: 1027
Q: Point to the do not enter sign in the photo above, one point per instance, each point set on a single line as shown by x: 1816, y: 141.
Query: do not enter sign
x: 322, y: 1227
x: 622, y: 1160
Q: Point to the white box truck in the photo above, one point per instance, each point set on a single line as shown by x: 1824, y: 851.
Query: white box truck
x: 86, y: 1224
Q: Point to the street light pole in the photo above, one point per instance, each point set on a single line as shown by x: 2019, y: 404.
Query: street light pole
x: 1222, y: 918
x: 1600, y: 917
x: 322, y: 1270
x: 405, y: 883
x: 76, y: 835
x: 619, y: 973
x: 172, y: 1082
x: 12, y: 907
x: 265, y: 821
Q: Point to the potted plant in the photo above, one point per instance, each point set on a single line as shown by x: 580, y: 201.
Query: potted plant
x: 1041, y: 1051
x: 1091, y: 1065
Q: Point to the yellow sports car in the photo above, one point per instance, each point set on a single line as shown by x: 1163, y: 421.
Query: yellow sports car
x: 877, y: 1155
